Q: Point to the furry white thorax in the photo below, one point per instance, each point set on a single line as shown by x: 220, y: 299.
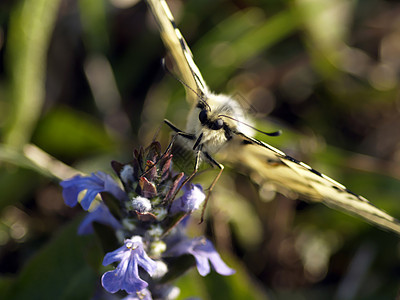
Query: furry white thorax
x: 214, y: 141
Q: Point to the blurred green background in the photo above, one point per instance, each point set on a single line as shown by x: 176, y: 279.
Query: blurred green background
x: 81, y: 84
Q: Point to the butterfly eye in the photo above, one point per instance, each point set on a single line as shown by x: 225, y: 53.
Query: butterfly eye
x: 203, y: 116
x: 217, y: 124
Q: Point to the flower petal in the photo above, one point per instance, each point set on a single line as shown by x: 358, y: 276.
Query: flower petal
x: 219, y: 265
x: 70, y: 195
x: 126, y: 275
x: 190, y: 201
x: 204, y: 253
x: 202, y: 264
x: 93, y: 184
x: 88, y: 198
x: 116, y: 255
x: 101, y: 215
x: 146, y: 262
x: 207, y: 249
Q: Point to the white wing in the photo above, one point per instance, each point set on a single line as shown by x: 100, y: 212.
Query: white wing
x: 257, y: 157
x: 290, y: 174
x: 176, y: 44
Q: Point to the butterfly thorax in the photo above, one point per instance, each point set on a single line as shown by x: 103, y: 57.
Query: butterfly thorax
x: 216, y: 119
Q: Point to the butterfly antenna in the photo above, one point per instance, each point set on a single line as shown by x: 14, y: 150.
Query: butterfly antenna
x: 201, y: 97
x: 275, y: 133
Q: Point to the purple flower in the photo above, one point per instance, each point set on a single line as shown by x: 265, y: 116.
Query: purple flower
x: 126, y: 275
x: 190, y: 201
x: 204, y: 253
x: 101, y: 215
x: 93, y: 184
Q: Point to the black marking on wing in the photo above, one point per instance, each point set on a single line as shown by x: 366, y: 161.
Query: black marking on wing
x: 356, y: 195
x: 331, y: 193
x: 176, y: 44
x: 246, y: 142
x: 300, y: 176
x: 182, y: 44
x: 189, y: 58
x: 323, y: 176
x: 281, y: 155
x: 315, y: 172
x: 292, y: 159
x: 252, y: 140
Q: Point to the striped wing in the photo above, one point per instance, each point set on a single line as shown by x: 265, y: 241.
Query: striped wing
x: 176, y: 45
x: 260, y: 158
x: 290, y: 174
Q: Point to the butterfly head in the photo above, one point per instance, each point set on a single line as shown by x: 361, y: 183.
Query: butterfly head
x: 208, y: 119
x: 216, y: 118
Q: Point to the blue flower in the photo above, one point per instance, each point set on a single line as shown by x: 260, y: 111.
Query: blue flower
x: 204, y: 253
x: 93, y: 184
x: 126, y: 275
x: 101, y: 215
x: 190, y: 201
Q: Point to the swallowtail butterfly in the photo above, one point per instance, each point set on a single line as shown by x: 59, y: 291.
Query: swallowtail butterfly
x: 216, y: 125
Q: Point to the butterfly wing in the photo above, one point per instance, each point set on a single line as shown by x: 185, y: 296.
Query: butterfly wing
x: 177, y: 46
x: 269, y: 163
x: 260, y: 158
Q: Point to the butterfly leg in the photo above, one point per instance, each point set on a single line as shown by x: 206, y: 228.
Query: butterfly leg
x: 198, y: 147
x: 195, y: 170
x: 221, y: 169
x: 198, y: 153
x: 178, y: 133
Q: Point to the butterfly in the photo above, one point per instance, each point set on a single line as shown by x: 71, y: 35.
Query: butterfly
x: 217, y: 124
